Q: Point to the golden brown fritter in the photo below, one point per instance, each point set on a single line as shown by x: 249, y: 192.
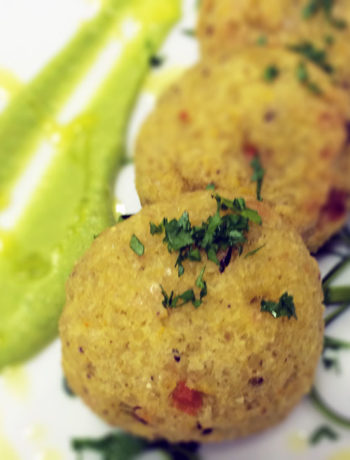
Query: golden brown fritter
x: 222, y: 370
x: 208, y: 127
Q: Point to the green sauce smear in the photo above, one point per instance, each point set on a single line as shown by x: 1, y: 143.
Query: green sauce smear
x: 74, y: 200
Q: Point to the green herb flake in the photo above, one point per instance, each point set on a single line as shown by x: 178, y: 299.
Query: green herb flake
x: 262, y: 40
x: 302, y: 75
x: 258, y: 175
x: 271, y: 73
x: 137, y: 246
x: 210, y: 187
x: 155, y: 228
x: 326, y: 6
x: 156, y: 61
x: 284, y: 307
x: 329, y: 40
x: 254, y: 251
x: 217, y: 233
x: 202, y: 285
x: 323, y: 432
x: 313, y: 54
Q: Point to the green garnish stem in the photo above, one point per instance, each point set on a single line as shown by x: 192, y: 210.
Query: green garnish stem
x: 337, y: 295
x: 335, y: 314
x: 335, y: 272
x: 327, y: 411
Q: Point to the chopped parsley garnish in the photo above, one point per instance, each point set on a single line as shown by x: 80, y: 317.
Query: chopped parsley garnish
x: 326, y: 6
x: 254, y: 251
x: 313, y: 54
x: 258, y: 175
x: 217, y: 234
x: 172, y: 301
x: 156, y: 61
x: 271, y: 73
x: 323, y: 432
x: 127, y: 447
x: 304, y: 78
x: 210, y: 187
x: 136, y: 245
x: 284, y: 307
x: 262, y: 40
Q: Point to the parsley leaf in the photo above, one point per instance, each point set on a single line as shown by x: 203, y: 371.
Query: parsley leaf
x: 316, y: 6
x: 254, y: 251
x: 304, y: 78
x: 202, y: 285
x: 271, y: 73
x: 217, y: 233
x: 210, y: 187
x: 258, y: 175
x: 284, y: 307
x: 313, y: 54
x: 136, y: 245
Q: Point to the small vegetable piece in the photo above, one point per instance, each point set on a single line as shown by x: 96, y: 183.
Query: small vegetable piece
x: 271, y: 73
x: 284, y: 307
x: 313, y: 54
x: 124, y: 446
x: 304, y: 78
x: 186, y: 399
x: 136, y: 245
x: 316, y: 6
x: 323, y: 432
x: 258, y: 175
x: 210, y: 187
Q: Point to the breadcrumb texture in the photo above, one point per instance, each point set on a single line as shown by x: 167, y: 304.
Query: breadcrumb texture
x: 228, y: 25
x: 221, y: 371
x: 208, y: 127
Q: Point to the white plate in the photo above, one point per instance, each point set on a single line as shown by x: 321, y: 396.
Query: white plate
x: 37, y: 418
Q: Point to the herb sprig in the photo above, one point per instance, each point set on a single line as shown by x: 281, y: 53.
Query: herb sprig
x: 303, y: 76
x: 313, y: 54
x: 258, y: 175
x: 326, y: 6
x: 284, y: 307
x: 217, y: 234
x: 172, y: 301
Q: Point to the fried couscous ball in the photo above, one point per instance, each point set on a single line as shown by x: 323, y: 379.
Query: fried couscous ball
x: 227, y: 25
x: 219, y: 370
x: 208, y: 127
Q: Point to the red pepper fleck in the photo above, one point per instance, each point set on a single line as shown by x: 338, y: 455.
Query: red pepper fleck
x: 187, y: 400
x: 184, y: 116
x: 250, y: 151
x: 335, y: 207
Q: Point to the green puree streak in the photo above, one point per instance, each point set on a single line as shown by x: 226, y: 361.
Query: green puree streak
x: 74, y: 200
x: 42, y: 98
